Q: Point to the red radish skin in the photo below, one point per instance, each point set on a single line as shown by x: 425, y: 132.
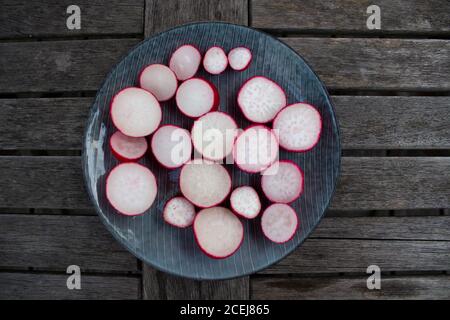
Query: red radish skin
x: 245, y: 202
x: 126, y: 148
x: 240, y: 58
x: 159, y: 80
x: 195, y: 97
x: 279, y: 223
x: 215, y: 60
x: 185, y: 61
x: 179, y: 212
x: 171, y: 146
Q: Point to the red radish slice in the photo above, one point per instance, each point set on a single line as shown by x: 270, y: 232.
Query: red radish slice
x: 171, y: 146
x: 135, y: 112
x: 298, y: 127
x: 218, y: 232
x: 204, y: 183
x: 239, y: 58
x: 255, y: 149
x: 185, y: 61
x: 245, y: 202
x: 195, y: 97
x: 179, y: 212
x: 215, y: 60
x: 131, y: 188
x: 279, y: 222
x: 213, y: 135
x: 126, y: 148
x: 260, y: 99
x: 159, y: 80
x: 282, y: 182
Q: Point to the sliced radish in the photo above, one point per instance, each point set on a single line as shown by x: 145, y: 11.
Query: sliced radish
x: 282, y: 182
x: 218, y: 232
x: 260, y: 99
x: 131, y: 188
x: 135, y: 112
x: 239, y: 58
x: 204, y: 183
x: 159, y: 80
x: 179, y: 212
x: 215, y: 60
x: 196, y: 96
x: 245, y: 202
x: 185, y: 61
x: 279, y: 222
x: 298, y: 127
x: 126, y: 148
x: 171, y: 146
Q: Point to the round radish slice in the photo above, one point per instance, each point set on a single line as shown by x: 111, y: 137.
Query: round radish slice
x: 282, y: 182
x: 159, y: 80
x: 245, y: 202
x: 218, y: 232
x: 239, y: 58
x: 204, y: 183
x: 195, y: 97
x: 279, y: 222
x: 179, y: 212
x: 131, y: 188
x: 260, y: 99
x: 298, y: 127
x: 126, y: 148
x: 135, y: 112
x: 185, y: 61
x: 215, y: 60
x: 171, y: 146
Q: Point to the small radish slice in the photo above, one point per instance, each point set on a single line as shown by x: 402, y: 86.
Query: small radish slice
x: 179, y: 212
x: 279, y: 222
x: 171, y: 146
x: 282, y: 182
x: 215, y: 60
x: 245, y: 202
x: 204, y: 183
x: 298, y: 127
x: 218, y: 232
x: 126, y: 148
x: 131, y: 188
x: 260, y: 99
x: 159, y: 80
x: 196, y: 96
x: 239, y: 58
x: 135, y: 112
x: 185, y: 61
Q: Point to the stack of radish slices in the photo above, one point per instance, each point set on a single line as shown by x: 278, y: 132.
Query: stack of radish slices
x: 206, y: 200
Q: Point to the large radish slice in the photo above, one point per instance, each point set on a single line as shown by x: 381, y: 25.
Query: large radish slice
x: 260, y: 99
x: 245, y: 202
x: 126, y: 148
x: 215, y: 60
x: 131, y: 188
x: 282, y: 182
x: 218, y: 232
x: 279, y: 222
x: 179, y: 212
x: 196, y: 96
x: 204, y: 183
x: 159, y: 80
x: 298, y: 127
x: 185, y: 61
x: 135, y: 112
x: 171, y: 146
x: 239, y: 58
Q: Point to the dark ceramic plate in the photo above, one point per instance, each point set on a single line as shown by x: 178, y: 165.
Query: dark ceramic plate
x: 174, y: 250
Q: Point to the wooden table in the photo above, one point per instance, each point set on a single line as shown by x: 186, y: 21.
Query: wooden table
x: 391, y: 88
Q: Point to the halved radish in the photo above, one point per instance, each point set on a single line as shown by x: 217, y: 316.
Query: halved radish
x: 204, y: 183
x: 171, y: 146
x: 282, y: 182
x: 131, y: 188
x: 239, y: 58
x: 218, y: 232
x: 245, y: 202
x: 179, y: 212
x: 185, y: 61
x: 126, y: 148
x: 196, y: 96
x: 279, y: 222
x: 215, y: 60
x: 298, y: 127
x: 135, y: 112
x: 260, y: 99
x: 159, y: 80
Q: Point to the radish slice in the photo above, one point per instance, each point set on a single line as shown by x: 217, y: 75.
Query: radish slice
x: 185, y: 61
x: 135, y: 112
x: 131, y: 188
x: 204, y: 183
x: 179, y: 212
x: 245, y: 202
x: 159, y: 80
x: 298, y: 127
x: 126, y: 148
x: 239, y: 58
x: 195, y: 97
x: 282, y: 182
x: 260, y: 99
x: 279, y: 222
x: 215, y: 60
x: 255, y: 149
x: 213, y: 135
x: 218, y: 232
x: 171, y: 146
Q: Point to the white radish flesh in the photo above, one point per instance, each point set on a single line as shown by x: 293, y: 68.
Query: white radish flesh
x: 159, y: 80
x: 179, y: 212
x: 195, y: 97
x: 282, y: 182
x: 185, y: 62
x: 215, y: 60
x: 245, y: 202
x: 127, y: 148
x: 279, y: 222
x: 239, y: 58
x: 171, y: 146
